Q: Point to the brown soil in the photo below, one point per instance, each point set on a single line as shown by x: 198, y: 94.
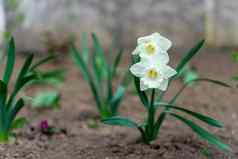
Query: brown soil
x: 84, y: 141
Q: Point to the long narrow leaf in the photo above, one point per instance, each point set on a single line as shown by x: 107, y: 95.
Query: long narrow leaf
x: 3, y: 96
x: 77, y: 59
x: 18, y: 87
x: 199, y: 116
x: 158, y: 123
x: 42, y: 61
x: 120, y: 121
x: 80, y: 63
x: 25, y: 67
x: 212, y: 139
x: 142, y: 95
x: 220, y: 83
x: 189, y: 56
x: 117, y: 61
x: 85, y: 49
x: 13, y: 112
x: 99, y: 64
x: 183, y: 63
x: 117, y: 98
x: 3, y: 93
x: 10, y: 61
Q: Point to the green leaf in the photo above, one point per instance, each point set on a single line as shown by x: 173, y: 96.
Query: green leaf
x: 117, y: 61
x: 14, y: 110
x: 3, y: 96
x: 99, y: 64
x: 120, y: 121
x: 234, y: 56
x: 3, y: 93
x: 19, y: 86
x: 117, y: 98
x: 158, y: 123
x: 189, y: 56
x: 85, y: 49
x: 220, y: 83
x: 212, y: 139
x: 53, y: 77
x: 78, y: 60
x: 25, y: 68
x: 10, y: 61
x: 44, y: 99
x: 18, y: 123
x: 42, y: 61
x: 199, y: 116
x: 87, y: 76
x: 142, y: 95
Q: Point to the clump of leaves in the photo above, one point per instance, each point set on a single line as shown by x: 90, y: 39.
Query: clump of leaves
x: 151, y: 127
x: 55, y: 77
x: 100, y: 77
x: 46, y: 99
x: 10, y: 105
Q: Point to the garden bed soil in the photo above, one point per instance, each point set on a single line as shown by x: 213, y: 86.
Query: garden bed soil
x: 86, y: 138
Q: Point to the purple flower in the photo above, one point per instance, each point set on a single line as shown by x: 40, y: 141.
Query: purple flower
x: 44, y: 125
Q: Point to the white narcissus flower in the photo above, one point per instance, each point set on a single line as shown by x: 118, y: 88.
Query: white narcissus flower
x: 150, y: 46
x: 153, y: 72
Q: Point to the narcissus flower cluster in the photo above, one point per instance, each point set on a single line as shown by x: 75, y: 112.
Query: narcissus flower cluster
x: 153, y: 69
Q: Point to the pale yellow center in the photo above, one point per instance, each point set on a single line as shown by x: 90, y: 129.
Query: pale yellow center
x: 152, y: 73
x: 150, y: 48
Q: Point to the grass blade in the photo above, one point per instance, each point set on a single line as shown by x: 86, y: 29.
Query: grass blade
x: 84, y: 46
x: 25, y: 68
x: 220, y: 83
x: 3, y: 96
x: 210, y: 121
x: 10, y: 61
x: 120, y: 121
x: 142, y: 95
x: 42, y: 61
x: 117, y: 98
x: 99, y: 64
x: 212, y: 139
x: 189, y: 56
x: 18, y: 123
x: 82, y: 66
x: 117, y: 61
x: 13, y: 112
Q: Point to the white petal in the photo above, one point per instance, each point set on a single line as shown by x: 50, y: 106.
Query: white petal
x: 167, y: 71
x: 161, y: 58
x: 138, y: 69
x: 163, y: 42
x: 152, y: 83
x: 143, y: 86
x: 164, y: 85
x: 144, y: 39
x: 136, y: 51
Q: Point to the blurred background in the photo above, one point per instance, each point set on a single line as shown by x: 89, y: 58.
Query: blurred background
x: 40, y: 25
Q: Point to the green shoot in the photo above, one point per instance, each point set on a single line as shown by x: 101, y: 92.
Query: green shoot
x: 100, y: 75
x: 10, y: 105
x: 151, y: 128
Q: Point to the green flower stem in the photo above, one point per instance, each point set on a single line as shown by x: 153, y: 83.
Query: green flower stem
x: 151, y: 118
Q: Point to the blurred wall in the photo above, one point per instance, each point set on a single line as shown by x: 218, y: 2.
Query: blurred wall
x: 51, y: 23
